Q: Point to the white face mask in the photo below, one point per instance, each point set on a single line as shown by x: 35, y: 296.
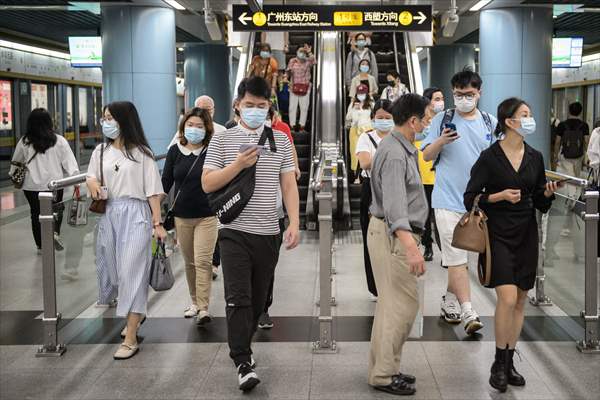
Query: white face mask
x: 361, y: 97
x: 527, y: 126
x: 438, y: 106
x: 465, y: 105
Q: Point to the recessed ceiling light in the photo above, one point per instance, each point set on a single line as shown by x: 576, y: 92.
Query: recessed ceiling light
x: 180, y: 48
x: 174, y: 4
x: 479, y: 5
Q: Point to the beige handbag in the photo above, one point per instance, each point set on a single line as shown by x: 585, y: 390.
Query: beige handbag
x: 471, y: 233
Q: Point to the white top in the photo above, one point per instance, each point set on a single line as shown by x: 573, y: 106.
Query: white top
x: 217, y: 127
x: 124, y: 177
x: 593, y: 151
x: 56, y: 163
x: 365, y: 144
x: 358, y: 118
x: 276, y: 40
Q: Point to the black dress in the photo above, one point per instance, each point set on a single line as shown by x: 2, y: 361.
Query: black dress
x: 512, y: 228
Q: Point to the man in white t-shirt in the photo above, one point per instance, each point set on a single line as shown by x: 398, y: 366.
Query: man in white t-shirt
x: 208, y: 104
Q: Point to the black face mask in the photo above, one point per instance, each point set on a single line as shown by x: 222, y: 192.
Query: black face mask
x: 392, y: 83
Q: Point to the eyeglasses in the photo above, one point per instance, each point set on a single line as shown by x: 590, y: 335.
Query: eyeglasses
x: 468, y: 97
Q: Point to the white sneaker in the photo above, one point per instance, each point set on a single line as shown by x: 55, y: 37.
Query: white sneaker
x: 450, y: 309
x: 191, y: 311
x: 58, y: 243
x: 247, y: 377
x: 565, y: 233
x: 203, y: 318
x: 373, y: 298
x: 111, y: 304
x: 69, y: 276
x: 471, y: 322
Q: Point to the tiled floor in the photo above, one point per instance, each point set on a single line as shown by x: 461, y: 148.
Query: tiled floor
x: 193, y: 366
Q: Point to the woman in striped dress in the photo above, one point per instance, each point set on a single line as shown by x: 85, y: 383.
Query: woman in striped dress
x: 133, y: 187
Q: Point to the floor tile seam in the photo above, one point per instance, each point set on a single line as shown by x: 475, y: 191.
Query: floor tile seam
x: 208, y: 370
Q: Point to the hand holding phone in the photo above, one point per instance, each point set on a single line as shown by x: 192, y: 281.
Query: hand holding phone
x: 452, y: 128
x: 251, y: 146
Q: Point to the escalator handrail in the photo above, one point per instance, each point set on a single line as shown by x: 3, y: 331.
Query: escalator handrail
x: 409, y: 63
x: 396, y: 52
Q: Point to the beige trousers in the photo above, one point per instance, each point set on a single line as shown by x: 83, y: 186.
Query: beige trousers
x: 397, y: 303
x: 197, y: 238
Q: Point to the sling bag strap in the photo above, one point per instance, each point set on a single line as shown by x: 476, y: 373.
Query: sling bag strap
x: 372, y: 141
x: 102, y: 164
x: 185, y: 178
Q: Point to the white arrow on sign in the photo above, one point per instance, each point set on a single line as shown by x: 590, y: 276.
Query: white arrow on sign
x: 244, y: 17
x: 421, y: 18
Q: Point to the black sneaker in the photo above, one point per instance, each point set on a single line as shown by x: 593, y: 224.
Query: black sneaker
x: 247, y: 378
x: 398, y: 387
x: 265, y: 321
x: 407, y: 378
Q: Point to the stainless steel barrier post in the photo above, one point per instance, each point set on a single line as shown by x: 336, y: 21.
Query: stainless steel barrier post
x: 591, y: 340
x: 326, y: 342
x: 540, y: 298
x: 51, y: 347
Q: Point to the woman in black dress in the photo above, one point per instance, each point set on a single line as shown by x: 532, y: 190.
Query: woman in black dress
x: 511, y: 180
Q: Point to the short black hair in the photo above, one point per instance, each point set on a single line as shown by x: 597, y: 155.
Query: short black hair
x: 466, y: 77
x: 364, y: 60
x: 430, y: 91
x: 256, y: 86
x: 393, y: 73
x: 265, y: 46
x: 575, y: 108
x: 507, y: 110
x: 408, y: 106
x: 384, y: 104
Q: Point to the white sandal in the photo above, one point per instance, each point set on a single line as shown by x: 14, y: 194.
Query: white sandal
x: 126, y: 351
x: 124, y: 331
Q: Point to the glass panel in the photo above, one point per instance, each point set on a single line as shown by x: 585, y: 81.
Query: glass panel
x: 589, y: 106
x: 89, y: 115
x: 7, y: 133
x: 564, y: 257
x: 39, y: 96
x: 69, y: 130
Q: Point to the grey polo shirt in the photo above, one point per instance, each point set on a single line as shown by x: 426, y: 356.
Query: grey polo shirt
x: 398, y: 194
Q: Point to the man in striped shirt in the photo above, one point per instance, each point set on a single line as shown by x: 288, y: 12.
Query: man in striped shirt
x: 250, y: 244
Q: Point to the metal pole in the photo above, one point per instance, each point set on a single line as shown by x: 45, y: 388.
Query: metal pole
x: 50, y: 348
x: 591, y: 340
x: 540, y: 298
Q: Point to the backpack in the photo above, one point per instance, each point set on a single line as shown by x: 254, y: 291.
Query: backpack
x: 449, y: 116
x: 572, y: 140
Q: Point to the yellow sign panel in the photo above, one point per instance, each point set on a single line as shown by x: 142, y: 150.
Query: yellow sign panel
x: 405, y: 18
x: 259, y: 18
x: 347, y: 18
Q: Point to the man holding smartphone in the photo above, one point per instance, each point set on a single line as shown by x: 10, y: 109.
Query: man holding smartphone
x: 250, y: 243
x: 457, y: 137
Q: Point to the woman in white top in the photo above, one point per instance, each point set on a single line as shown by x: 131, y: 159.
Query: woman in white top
x: 134, y: 192
x: 395, y: 89
x: 48, y: 157
x: 365, y: 78
x: 358, y: 119
x: 383, y: 123
x: 593, y: 150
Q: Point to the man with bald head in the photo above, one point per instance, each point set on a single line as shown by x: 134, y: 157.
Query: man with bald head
x: 206, y: 103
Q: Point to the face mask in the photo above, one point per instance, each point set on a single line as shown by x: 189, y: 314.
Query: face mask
x: 392, y: 82
x: 438, y: 106
x: 419, y: 137
x: 464, y: 105
x: 301, y: 56
x: 265, y: 54
x: 110, y: 129
x: 254, y: 116
x: 383, y: 125
x: 361, y: 97
x: 362, y: 43
x: 527, y: 126
x: 194, y: 135
x: 364, y: 68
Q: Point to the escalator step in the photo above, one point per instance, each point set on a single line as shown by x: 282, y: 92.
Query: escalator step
x: 303, y: 150
x: 355, y: 204
x: 355, y: 191
x: 304, y: 178
x: 301, y: 138
x: 303, y: 192
x: 303, y: 162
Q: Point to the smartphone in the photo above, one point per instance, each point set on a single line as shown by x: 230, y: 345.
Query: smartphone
x: 452, y: 127
x: 247, y: 146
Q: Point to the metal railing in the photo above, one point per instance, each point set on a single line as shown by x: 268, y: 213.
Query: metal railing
x: 587, y: 211
x: 51, y: 316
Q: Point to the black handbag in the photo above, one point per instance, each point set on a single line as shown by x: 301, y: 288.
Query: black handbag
x: 169, y: 222
x: 98, y: 206
x: 229, y: 202
x: 18, y: 176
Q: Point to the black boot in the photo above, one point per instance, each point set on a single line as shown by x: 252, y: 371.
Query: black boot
x: 428, y: 255
x: 514, y: 378
x: 499, y: 371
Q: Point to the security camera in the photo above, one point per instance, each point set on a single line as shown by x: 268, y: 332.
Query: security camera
x: 449, y: 23
x: 212, y: 26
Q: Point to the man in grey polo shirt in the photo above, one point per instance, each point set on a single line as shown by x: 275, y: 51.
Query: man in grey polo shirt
x: 399, y: 211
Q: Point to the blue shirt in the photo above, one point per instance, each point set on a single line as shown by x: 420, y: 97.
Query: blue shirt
x: 457, y: 158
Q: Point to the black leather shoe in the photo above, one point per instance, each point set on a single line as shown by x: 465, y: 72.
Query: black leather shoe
x: 428, y: 255
x: 407, y: 378
x: 499, y: 371
x: 398, y: 387
x: 514, y: 378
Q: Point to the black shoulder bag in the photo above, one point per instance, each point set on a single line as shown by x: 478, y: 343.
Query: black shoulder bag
x: 229, y: 202
x: 169, y: 222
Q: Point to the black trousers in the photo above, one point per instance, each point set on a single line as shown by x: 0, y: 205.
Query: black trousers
x: 216, y: 256
x: 365, y: 203
x: 270, y: 293
x: 427, y: 238
x: 34, y: 205
x: 248, y: 262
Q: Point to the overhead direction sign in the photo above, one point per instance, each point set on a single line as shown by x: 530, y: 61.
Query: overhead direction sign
x: 332, y: 18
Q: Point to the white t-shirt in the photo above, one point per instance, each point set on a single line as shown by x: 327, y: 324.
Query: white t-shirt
x: 593, y: 150
x: 124, y: 177
x: 57, y: 162
x: 365, y: 144
x: 217, y: 127
x: 358, y: 117
x: 276, y: 40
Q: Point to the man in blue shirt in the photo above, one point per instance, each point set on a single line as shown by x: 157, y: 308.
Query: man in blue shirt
x: 455, y: 149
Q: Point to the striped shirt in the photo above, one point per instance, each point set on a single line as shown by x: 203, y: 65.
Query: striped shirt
x: 300, y: 71
x: 260, y: 216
